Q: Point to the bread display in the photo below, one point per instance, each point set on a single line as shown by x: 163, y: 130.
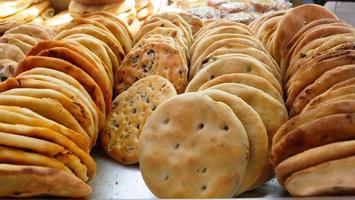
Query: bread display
x: 313, y: 148
x: 57, y: 102
x: 199, y: 99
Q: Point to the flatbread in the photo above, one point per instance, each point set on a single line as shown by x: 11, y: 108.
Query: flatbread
x: 329, y: 178
x: 195, y: 23
x: 53, y: 137
x: 312, y: 134
x: 317, y: 112
x: 109, y: 39
x: 117, y: 30
x: 313, y: 157
x: 17, y: 115
x: 98, y: 50
x: 131, y: 110
x: 9, y: 155
x: 247, y: 79
x: 293, y: 21
x: 323, y: 83
x: 154, y: 58
x: 227, y: 65
x: 272, y: 112
x: 305, y: 77
x: 11, y: 52
x: 77, y: 9
x: 184, y: 170
x: 151, y: 26
x: 46, y: 107
x: 35, y: 31
x: 29, y: 181
x: 81, y: 62
x: 76, y: 108
x: 82, y: 77
x: 23, y: 46
x: 257, y: 135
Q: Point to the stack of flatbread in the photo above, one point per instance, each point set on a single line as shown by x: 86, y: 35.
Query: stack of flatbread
x: 155, y: 68
x: 16, y: 12
x: 16, y: 42
x: 312, y: 153
x: 214, y: 141
x: 53, y: 109
x: 125, y: 10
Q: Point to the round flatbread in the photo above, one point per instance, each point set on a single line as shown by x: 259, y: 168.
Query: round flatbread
x: 131, y: 110
x: 246, y: 64
x: 154, y: 58
x: 257, y: 135
x: 183, y: 159
x: 246, y: 79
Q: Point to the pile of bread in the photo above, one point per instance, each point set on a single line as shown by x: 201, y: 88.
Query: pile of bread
x: 15, y: 44
x: 55, y: 106
x: 17, y: 12
x: 243, y: 11
x: 154, y: 69
x: 313, y: 153
x: 147, y: 83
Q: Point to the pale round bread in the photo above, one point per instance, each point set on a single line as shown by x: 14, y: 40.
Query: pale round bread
x: 131, y: 109
x: 29, y: 181
x: 263, y: 57
x: 247, y: 79
x: 257, y: 135
x: 272, y: 112
x: 199, y: 46
x: 187, y: 164
x: 246, y: 64
x: 330, y: 178
x: 219, y: 23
